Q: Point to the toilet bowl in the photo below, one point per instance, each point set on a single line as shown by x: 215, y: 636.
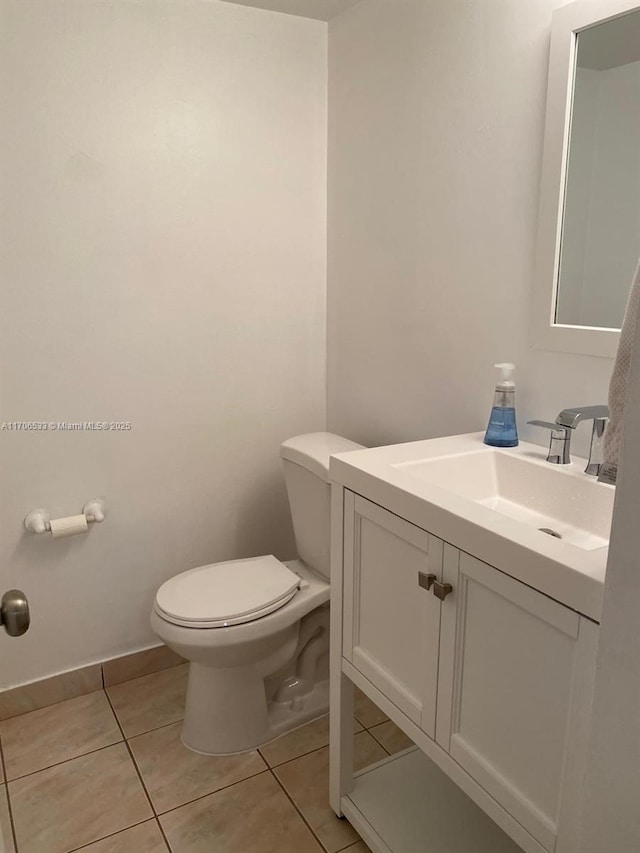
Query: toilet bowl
x: 256, y: 631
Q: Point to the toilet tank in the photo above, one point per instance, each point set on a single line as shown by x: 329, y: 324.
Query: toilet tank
x: 305, y: 460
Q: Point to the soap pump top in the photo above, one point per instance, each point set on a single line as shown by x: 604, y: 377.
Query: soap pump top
x: 506, y: 383
x: 502, y: 430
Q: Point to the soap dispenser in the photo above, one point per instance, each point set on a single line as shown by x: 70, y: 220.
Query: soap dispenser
x: 502, y: 430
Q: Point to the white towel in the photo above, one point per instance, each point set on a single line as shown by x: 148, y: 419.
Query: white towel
x: 619, y: 381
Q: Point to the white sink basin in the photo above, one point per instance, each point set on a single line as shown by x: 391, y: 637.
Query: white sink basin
x: 553, y: 499
x: 492, y: 503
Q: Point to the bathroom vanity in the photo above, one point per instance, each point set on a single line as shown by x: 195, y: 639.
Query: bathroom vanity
x: 475, y: 632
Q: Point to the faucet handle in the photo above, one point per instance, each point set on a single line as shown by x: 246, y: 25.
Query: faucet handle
x: 600, y: 417
x: 572, y: 417
x: 559, y: 443
x: 596, y: 449
x: 549, y: 425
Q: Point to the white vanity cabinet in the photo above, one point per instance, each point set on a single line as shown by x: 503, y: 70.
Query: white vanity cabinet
x: 490, y: 678
x: 392, y: 629
x: 515, y: 669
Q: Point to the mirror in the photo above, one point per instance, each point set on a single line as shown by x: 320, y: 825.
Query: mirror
x: 600, y: 237
x: 589, y: 228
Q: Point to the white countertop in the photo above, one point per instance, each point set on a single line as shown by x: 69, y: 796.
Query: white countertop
x: 565, y: 572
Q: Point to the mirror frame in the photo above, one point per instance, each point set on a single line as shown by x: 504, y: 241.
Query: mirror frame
x: 567, y: 23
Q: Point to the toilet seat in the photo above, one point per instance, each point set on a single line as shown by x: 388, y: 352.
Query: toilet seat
x: 224, y: 594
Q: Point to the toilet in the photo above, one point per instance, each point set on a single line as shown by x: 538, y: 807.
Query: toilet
x: 256, y: 631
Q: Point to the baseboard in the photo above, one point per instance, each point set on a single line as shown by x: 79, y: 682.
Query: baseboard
x: 86, y: 679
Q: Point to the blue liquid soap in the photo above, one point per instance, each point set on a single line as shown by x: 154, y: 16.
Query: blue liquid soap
x: 502, y: 430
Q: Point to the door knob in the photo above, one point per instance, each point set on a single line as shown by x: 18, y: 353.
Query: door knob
x: 426, y: 581
x: 14, y: 613
x: 441, y: 590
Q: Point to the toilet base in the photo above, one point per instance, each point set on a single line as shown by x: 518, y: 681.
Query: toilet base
x: 281, y: 718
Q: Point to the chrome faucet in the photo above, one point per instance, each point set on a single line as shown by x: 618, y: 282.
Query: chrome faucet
x: 600, y: 416
x: 562, y: 430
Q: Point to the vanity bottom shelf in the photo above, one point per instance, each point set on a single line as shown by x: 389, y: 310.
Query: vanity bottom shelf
x: 406, y: 804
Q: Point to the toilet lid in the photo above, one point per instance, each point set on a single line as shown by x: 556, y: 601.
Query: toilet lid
x: 228, y: 593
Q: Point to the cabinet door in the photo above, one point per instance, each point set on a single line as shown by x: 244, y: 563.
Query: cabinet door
x: 512, y: 671
x: 392, y: 623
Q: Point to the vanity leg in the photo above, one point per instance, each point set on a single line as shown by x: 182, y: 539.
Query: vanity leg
x: 340, y: 688
x: 340, y: 740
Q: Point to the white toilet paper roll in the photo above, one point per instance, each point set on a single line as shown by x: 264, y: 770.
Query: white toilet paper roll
x: 68, y: 526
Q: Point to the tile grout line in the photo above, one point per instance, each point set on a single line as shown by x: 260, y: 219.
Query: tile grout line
x: 163, y: 834
x: 310, y: 751
x: 379, y: 742
x: 141, y: 675
x: 12, y: 825
x: 50, y: 705
x: 137, y: 770
x: 302, y: 817
x: 289, y: 760
x: 146, y: 675
x: 317, y: 749
x: 112, y: 834
x: 349, y: 846
x: 211, y: 793
x: 155, y: 729
x: 373, y: 725
x: 65, y: 761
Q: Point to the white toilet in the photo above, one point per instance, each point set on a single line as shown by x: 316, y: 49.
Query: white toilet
x: 256, y: 631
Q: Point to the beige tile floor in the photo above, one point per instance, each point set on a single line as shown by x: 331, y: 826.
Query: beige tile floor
x: 107, y: 773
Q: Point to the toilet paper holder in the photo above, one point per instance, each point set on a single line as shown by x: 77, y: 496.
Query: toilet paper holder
x: 39, y: 520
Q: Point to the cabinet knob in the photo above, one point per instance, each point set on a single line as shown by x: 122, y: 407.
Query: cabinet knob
x: 441, y: 590
x: 426, y: 581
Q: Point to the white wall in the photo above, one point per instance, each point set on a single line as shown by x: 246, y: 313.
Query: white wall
x: 436, y: 114
x: 163, y: 262
x: 601, y: 236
